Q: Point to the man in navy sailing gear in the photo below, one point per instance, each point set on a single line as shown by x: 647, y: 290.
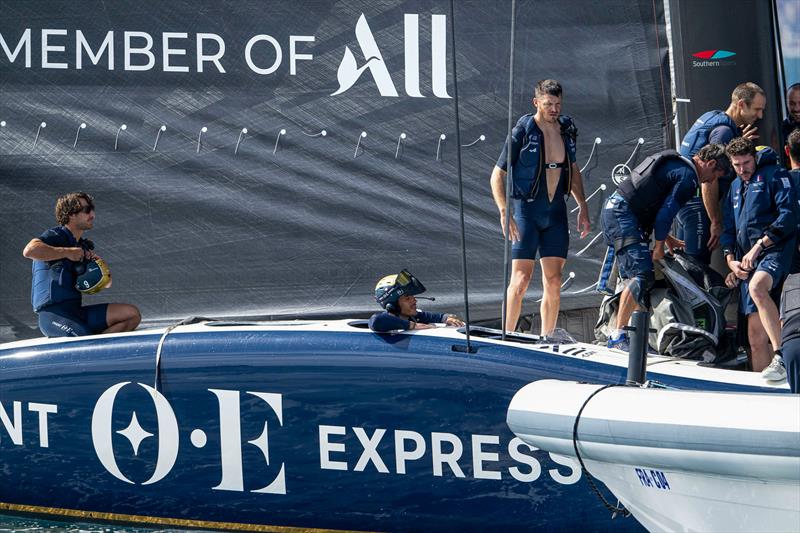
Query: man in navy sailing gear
x: 760, y: 221
x: 396, y: 294
x: 544, y: 173
x: 786, y: 363
x: 792, y: 120
x: 647, y: 202
x: 792, y: 151
x: 58, y: 254
x: 699, y: 222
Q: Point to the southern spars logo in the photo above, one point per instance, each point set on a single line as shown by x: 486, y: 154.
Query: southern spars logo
x: 714, y: 58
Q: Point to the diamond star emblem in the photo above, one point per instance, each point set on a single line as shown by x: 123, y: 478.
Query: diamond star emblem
x: 134, y: 433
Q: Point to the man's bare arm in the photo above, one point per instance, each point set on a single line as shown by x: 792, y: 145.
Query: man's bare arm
x: 39, y: 251
x: 577, y: 185
x: 498, y: 182
x: 710, y: 194
x: 580, y: 197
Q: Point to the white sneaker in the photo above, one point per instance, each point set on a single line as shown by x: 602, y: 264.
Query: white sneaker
x: 776, y: 371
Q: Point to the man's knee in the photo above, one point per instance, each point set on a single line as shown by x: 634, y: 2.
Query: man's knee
x: 136, y: 317
x: 640, y: 286
x: 520, y: 279
x: 552, y: 280
x: 760, y: 286
x: 124, y: 313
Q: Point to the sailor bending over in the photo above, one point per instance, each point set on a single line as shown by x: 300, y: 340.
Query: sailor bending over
x: 65, y: 267
x: 758, y: 241
x: 544, y: 173
x: 647, y: 202
x: 396, y: 294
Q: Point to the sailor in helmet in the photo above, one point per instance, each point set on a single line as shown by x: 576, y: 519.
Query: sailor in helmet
x: 65, y: 267
x: 397, y: 295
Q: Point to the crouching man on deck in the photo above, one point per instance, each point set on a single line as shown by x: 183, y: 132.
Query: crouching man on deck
x: 64, y: 267
x: 396, y: 294
x: 648, y: 202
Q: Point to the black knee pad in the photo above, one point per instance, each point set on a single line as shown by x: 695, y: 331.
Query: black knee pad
x: 640, y: 287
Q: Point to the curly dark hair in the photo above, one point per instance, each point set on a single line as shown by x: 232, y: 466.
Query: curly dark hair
x: 70, y: 204
x: 793, y: 142
x: 717, y: 153
x: 741, y: 146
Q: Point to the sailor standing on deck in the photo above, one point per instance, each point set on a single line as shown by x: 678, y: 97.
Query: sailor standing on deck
x: 699, y: 222
x: 758, y: 241
x: 544, y: 174
x: 647, y: 202
x: 60, y: 255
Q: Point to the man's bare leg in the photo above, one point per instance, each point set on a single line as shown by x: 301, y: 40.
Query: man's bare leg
x: 767, y: 327
x: 521, y: 273
x: 552, y: 269
x: 760, y: 353
x: 627, y: 305
x: 122, y: 317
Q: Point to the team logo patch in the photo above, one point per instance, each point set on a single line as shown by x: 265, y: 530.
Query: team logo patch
x: 714, y: 54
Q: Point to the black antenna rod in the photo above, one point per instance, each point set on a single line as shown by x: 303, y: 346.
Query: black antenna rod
x: 509, y: 174
x: 460, y: 180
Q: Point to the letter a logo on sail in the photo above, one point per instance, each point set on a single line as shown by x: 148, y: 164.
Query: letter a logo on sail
x: 349, y: 71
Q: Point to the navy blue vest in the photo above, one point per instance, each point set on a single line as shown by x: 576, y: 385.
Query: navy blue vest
x: 54, y: 281
x: 646, y: 189
x: 529, y: 166
x: 698, y: 134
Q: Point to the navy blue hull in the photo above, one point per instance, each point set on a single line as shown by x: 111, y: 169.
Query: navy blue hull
x: 348, y: 431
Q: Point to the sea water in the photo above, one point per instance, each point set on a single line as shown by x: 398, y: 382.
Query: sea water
x: 18, y: 524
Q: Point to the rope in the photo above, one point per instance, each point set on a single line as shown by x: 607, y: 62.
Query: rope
x: 506, y: 266
x: 460, y: 180
x: 615, y: 509
x: 661, y: 69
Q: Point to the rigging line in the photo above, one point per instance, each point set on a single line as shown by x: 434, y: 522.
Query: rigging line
x: 597, y: 140
x: 509, y: 173
x: 639, y: 142
x: 594, y: 240
x: 460, y: 180
x: 583, y: 290
x: 661, y: 69
x: 602, y: 187
x: 776, y: 31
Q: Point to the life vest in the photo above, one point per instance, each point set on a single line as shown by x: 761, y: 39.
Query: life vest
x: 697, y: 136
x: 791, y: 308
x: 529, y: 166
x: 54, y: 281
x: 644, y: 192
